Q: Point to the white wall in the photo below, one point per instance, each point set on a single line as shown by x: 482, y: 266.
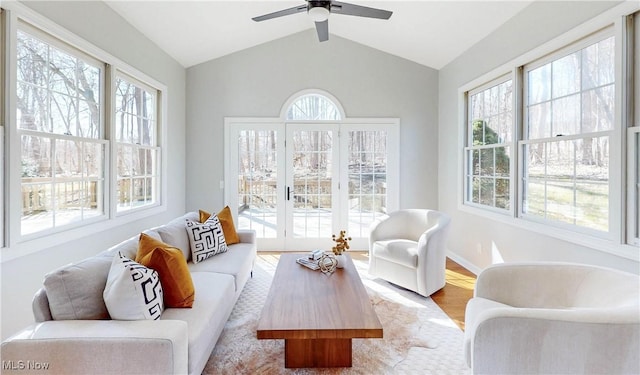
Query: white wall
x: 486, y: 241
x: 98, y: 24
x: 256, y: 83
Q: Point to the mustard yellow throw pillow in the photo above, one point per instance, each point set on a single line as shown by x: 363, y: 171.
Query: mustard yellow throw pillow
x: 171, y: 266
x: 226, y: 220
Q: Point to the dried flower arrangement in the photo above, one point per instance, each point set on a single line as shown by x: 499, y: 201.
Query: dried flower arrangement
x: 342, y: 243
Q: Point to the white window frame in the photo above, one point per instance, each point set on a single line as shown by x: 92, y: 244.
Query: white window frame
x: 468, y: 170
x: 311, y: 92
x: 154, y: 147
x: 632, y: 118
x: 614, y: 161
x: 392, y: 128
x: 617, y: 243
x: 15, y: 245
x: 56, y: 138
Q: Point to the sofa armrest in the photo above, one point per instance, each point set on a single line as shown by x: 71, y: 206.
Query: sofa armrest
x: 246, y: 235
x: 40, y: 306
x: 532, y: 284
x: 508, y: 340
x: 99, y: 346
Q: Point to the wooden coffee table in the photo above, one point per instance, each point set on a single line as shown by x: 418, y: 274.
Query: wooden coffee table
x: 317, y: 315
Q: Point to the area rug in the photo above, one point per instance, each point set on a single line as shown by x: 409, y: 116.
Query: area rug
x: 419, y: 338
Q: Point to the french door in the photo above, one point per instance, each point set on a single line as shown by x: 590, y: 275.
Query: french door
x: 312, y: 185
x: 296, y: 184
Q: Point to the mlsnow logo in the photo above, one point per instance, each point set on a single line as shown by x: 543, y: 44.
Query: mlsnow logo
x: 24, y: 365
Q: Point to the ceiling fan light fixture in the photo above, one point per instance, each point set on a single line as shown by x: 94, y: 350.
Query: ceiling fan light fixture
x: 319, y: 14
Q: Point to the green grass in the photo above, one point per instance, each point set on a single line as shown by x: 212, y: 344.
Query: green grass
x: 585, y: 203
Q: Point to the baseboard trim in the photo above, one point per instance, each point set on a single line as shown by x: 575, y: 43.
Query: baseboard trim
x: 464, y: 263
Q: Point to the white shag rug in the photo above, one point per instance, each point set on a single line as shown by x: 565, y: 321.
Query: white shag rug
x: 419, y: 338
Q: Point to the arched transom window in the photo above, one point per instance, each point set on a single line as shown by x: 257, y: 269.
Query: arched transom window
x: 313, y: 107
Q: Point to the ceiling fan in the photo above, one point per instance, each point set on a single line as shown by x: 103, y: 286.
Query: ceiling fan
x: 319, y: 11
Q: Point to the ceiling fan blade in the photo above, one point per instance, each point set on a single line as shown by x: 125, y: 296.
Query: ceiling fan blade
x: 359, y: 10
x: 280, y: 13
x: 323, y: 30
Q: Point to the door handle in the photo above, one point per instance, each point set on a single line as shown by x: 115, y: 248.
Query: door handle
x: 288, y: 193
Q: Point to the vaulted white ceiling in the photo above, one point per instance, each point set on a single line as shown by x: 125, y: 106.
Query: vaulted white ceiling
x: 428, y: 32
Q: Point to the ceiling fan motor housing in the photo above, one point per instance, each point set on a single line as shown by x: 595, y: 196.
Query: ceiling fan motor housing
x: 319, y: 11
x: 319, y: 4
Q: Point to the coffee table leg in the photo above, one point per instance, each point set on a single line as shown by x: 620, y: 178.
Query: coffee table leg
x: 317, y: 353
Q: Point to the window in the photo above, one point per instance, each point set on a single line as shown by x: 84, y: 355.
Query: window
x: 487, y: 154
x: 70, y: 167
x: 367, y: 160
x: 137, y: 152
x: 569, y: 120
x: 59, y: 121
x: 313, y: 107
x: 562, y: 130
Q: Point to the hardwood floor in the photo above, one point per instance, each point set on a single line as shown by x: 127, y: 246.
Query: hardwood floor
x: 457, y: 292
x: 452, y: 299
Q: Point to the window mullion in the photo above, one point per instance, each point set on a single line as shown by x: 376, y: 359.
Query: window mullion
x: 575, y: 184
x: 629, y: 61
x: 108, y: 129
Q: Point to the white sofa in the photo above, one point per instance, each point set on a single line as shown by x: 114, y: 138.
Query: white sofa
x: 553, y: 318
x: 408, y: 248
x: 179, y: 343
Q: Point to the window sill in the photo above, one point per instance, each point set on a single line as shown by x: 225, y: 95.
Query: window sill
x: 34, y: 245
x: 596, y: 243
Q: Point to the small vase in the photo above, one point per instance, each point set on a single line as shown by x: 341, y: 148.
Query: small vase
x: 341, y: 260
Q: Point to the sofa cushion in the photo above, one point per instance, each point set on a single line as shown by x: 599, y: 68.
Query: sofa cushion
x: 175, y: 234
x: 171, y: 266
x: 206, y: 319
x: 226, y: 220
x: 237, y: 262
x: 403, y: 252
x: 129, y: 247
x: 147, y: 244
x: 75, y: 291
x: 207, y: 239
x: 133, y: 291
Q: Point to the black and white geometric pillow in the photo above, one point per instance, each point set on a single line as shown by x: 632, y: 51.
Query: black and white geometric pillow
x: 206, y: 239
x: 133, y: 291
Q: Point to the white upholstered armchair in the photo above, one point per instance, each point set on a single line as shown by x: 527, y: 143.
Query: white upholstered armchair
x: 407, y: 248
x: 553, y: 318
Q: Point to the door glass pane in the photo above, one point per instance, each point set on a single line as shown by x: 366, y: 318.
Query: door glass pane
x: 257, y: 178
x: 367, y: 180
x: 312, y: 184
